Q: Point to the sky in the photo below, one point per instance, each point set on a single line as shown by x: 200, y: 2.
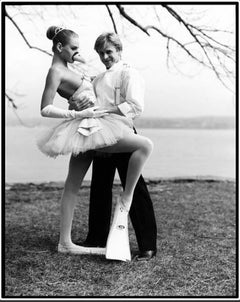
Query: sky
x: 168, y: 92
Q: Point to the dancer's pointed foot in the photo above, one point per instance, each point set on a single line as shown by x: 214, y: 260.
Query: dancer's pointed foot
x: 72, y: 249
x: 94, y: 249
x: 118, y: 247
x: 80, y: 250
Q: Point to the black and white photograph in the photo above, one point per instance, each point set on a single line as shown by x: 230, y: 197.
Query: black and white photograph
x: 119, y: 139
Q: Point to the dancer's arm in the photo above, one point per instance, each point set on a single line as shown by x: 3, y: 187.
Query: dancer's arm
x: 55, y: 112
x: 49, y: 110
x: 53, y: 81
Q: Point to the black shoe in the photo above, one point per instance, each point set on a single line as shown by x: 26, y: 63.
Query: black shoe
x: 145, y: 255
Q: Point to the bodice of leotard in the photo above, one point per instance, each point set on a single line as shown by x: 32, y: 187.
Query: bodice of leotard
x: 87, y: 126
x: 84, y: 90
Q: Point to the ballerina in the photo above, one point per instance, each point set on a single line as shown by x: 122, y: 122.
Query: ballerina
x: 95, y: 128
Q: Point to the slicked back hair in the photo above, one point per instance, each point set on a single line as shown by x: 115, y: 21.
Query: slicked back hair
x: 108, y: 37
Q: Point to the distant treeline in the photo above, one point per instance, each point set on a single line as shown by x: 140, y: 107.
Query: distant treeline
x: 145, y: 122
x: 187, y: 123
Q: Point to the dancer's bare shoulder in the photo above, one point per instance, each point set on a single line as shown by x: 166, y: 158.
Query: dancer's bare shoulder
x: 55, y: 72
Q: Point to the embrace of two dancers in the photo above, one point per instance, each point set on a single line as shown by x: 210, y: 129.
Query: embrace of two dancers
x: 99, y: 120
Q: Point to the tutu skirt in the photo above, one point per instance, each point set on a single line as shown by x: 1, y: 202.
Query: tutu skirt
x: 80, y: 135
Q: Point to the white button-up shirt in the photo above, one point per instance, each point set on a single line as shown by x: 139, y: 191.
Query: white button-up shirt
x: 130, y: 100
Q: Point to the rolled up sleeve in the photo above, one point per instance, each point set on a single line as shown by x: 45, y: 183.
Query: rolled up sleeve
x: 132, y: 91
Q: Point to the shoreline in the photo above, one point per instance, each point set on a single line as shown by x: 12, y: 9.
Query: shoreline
x: 149, y: 181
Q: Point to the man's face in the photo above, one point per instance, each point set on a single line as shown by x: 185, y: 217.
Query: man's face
x: 109, y: 55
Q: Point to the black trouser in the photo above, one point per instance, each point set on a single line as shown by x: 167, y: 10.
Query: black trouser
x: 141, y: 212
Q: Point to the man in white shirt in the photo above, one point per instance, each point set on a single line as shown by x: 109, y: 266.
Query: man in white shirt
x: 121, y: 88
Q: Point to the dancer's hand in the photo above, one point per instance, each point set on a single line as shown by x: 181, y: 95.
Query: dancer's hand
x: 91, y: 112
x: 100, y: 113
x: 80, y: 104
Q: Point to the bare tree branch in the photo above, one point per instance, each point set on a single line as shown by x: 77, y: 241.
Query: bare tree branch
x: 11, y: 101
x: 15, y: 109
x: 201, y: 43
x: 111, y: 16
x: 190, y: 29
x: 130, y: 19
x: 23, y: 36
x: 168, y: 37
x: 210, y: 47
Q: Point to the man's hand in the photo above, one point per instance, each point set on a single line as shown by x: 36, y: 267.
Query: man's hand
x: 80, y: 104
x: 100, y: 113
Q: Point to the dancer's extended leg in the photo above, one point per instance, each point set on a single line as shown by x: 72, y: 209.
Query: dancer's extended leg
x: 118, y: 242
x: 141, y: 148
x: 78, y: 167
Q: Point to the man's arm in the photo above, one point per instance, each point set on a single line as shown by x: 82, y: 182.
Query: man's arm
x: 132, y: 90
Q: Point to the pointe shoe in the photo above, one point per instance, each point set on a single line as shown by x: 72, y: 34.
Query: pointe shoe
x: 72, y: 249
x: 95, y: 249
x: 118, y: 247
x: 80, y: 250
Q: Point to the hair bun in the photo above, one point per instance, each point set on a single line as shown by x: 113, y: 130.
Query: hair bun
x: 51, y: 32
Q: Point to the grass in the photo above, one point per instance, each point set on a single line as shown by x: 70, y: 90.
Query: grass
x: 196, y: 245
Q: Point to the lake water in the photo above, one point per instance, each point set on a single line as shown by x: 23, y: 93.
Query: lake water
x: 177, y: 153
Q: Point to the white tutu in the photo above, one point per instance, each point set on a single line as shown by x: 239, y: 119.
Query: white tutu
x: 80, y: 135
